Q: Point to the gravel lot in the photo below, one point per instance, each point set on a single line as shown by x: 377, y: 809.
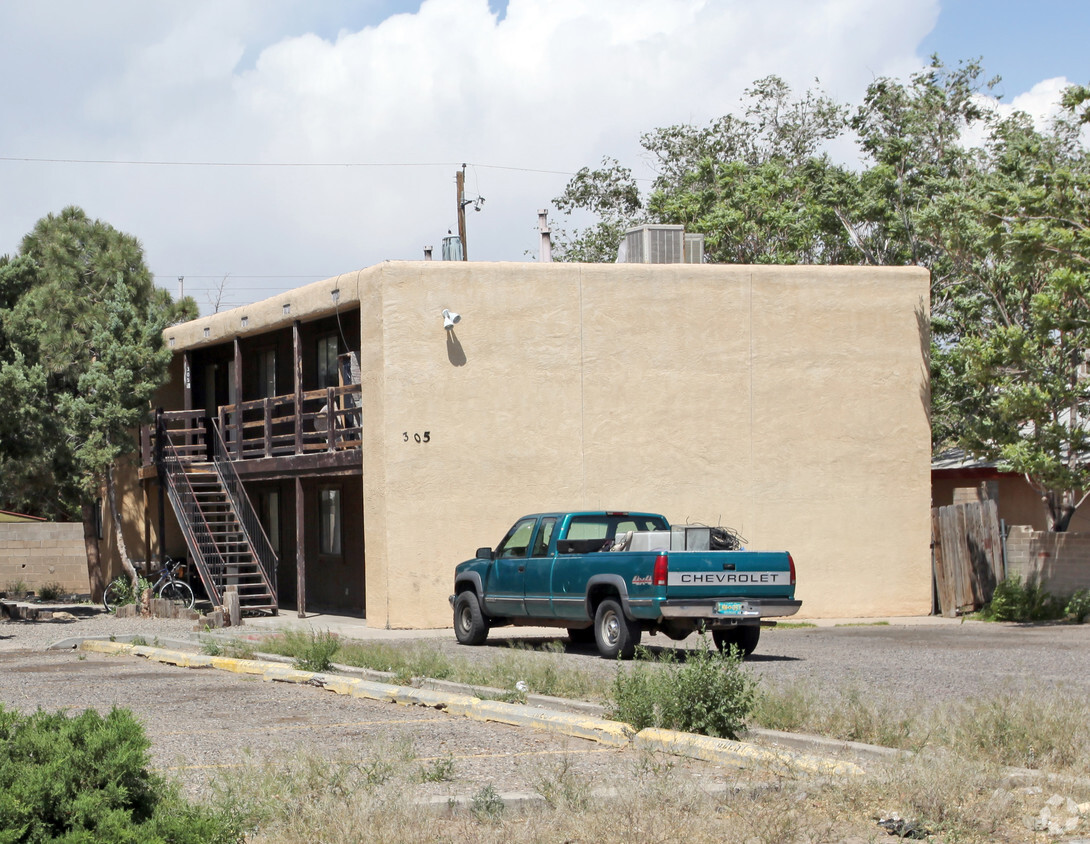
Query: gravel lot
x: 200, y: 720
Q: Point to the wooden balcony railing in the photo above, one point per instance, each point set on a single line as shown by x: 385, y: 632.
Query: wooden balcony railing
x: 330, y: 419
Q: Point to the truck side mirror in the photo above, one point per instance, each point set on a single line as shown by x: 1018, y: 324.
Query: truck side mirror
x: 484, y: 553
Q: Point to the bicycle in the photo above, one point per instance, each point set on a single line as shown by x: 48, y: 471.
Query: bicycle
x: 168, y: 586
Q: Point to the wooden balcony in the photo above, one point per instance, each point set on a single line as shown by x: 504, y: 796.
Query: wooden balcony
x: 325, y: 426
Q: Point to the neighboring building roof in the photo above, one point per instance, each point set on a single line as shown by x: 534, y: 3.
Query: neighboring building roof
x: 957, y: 458
x: 6, y: 516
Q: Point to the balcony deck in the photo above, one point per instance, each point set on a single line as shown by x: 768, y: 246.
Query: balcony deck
x: 319, y: 430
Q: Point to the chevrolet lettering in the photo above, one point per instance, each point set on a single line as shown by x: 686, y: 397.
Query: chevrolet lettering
x: 607, y: 576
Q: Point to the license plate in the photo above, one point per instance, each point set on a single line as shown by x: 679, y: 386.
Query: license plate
x: 728, y: 608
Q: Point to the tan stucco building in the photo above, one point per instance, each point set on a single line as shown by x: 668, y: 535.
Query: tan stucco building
x: 790, y: 403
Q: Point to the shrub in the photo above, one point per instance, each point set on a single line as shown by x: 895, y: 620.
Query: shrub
x: 1078, y: 606
x: 707, y: 693
x: 86, y: 779
x: 1022, y: 602
x: 15, y: 587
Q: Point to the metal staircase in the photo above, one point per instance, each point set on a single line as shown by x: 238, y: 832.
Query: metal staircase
x: 226, y: 542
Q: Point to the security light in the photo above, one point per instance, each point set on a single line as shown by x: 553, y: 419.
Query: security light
x: 450, y: 319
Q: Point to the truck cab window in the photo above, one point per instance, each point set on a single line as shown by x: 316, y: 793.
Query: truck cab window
x: 541, y: 543
x: 517, y: 540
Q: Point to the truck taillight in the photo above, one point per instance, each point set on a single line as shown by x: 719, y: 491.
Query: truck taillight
x: 791, y: 563
x: 662, y: 568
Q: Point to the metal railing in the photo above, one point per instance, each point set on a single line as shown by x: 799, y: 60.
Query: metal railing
x: 247, y: 517
x: 198, y: 534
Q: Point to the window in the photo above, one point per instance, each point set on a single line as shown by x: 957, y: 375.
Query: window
x: 266, y: 373
x: 329, y: 520
x: 516, y: 542
x: 541, y: 544
x: 327, y: 361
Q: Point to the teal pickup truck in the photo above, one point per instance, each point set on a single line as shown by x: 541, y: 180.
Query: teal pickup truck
x: 607, y: 576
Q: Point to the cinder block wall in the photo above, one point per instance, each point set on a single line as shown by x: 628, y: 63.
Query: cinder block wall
x: 1060, y: 562
x: 38, y: 553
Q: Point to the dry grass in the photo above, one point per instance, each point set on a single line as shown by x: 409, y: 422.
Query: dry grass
x: 653, y: 801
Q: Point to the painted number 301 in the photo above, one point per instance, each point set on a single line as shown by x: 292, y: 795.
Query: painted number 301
x: 419, y: 438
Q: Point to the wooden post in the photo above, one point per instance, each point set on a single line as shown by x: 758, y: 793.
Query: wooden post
x: 187, y: 395
x: 297, y: 350
x: 300, y: 552
x: 144, y: 485
x: 161, y: 475
x: 460, y: 181
x: 238, y: 400
x: 231, y: 606
x: 268, y: 427
x: 329, y: 416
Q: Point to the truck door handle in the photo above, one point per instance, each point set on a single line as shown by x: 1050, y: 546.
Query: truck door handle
x: 728, y: 566
x: 522, y: 568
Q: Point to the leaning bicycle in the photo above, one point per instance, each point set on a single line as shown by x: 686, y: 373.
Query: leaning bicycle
x: 169, y: 587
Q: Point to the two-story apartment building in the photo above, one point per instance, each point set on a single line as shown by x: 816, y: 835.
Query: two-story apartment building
x: 379, y: 443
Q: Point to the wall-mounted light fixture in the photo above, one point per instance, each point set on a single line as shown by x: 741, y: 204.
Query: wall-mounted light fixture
x: 207, y: 332
x: 450, y: 319
x: 335, y: 294
x: 287, y: 309
x: 245, y: 322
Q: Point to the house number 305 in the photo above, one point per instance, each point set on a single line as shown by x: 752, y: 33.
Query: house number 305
x: 418, y: 438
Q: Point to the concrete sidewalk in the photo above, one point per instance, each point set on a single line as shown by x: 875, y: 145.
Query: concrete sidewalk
x: 351, y: 627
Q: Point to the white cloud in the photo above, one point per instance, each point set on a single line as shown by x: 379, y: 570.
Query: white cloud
x: 553, y: 86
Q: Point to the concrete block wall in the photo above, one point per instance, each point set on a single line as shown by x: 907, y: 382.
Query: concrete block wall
x: 38, y: 553
x: 1060, y: 562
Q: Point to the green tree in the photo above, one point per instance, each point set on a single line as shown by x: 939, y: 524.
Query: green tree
x: 1012, y: 362
x: 756, y: 186
x: 81, y: 355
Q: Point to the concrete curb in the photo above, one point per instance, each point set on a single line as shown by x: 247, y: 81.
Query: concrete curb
x: 600, y: 730
x: 739, y: 755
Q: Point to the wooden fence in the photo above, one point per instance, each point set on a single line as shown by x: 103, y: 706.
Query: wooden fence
x: 968, y: 555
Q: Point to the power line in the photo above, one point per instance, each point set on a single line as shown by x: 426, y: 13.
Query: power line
x: 169, y: 163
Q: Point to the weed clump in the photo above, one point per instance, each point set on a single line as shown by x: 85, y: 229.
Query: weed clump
x: 1014, y: 600
x: 1078, y: 606
x: 314, y: 652
x: 708, y: 693
x: 50, y: 592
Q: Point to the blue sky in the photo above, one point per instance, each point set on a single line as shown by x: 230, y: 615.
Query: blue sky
x: 1023, y: 42
x: 300, y: 139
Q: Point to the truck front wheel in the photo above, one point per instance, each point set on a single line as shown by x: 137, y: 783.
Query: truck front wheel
x: 470, y: 626
x: 614, y: 634
x: 744, y: 637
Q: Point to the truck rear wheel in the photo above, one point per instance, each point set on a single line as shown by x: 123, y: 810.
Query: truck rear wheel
x: 744, y: 637
x: 614, y: 634
x: 470, y: 626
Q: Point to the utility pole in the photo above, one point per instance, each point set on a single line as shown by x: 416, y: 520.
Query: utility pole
x: 460, y: 181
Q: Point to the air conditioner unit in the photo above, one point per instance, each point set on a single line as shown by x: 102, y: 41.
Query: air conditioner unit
x: 694, y: 249
x: 655, y: 245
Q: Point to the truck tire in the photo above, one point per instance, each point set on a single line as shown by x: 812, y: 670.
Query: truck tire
x: 470, y: 626
x: 744, y: 637
x: 614, y: 634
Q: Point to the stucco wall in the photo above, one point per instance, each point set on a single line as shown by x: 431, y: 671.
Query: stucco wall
x: 1060, y: 562
x: 40, y: 553
x: 789, y: 403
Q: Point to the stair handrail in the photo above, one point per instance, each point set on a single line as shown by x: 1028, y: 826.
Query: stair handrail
x: 194, y: 525
x: 264, y: 555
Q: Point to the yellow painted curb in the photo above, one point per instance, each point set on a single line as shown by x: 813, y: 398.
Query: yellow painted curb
x: 613, y: 733
x: 737, y: 754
